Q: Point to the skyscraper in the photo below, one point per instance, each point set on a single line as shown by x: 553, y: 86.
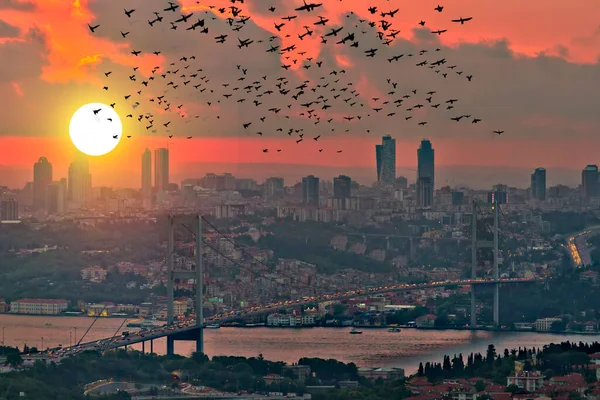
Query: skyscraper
x: 310, y: 190
x: 161, y: 169
x: 56, y: 198
x: 79, y: 182
x: 589, y: 181
x: 385, y: 154
x: 425, y: 173
x: 146, y: 174
x: 42, y: 176
x: 342, y: 187
x: 538, y: 184
x: 9, y: 209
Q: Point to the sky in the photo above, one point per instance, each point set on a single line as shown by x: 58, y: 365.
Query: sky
x: 534, y: 65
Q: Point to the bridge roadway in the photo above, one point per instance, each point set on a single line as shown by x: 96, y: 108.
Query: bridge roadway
x: 187, y: 330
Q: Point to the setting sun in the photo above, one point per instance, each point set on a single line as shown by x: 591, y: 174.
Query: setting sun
x: 95, y: 129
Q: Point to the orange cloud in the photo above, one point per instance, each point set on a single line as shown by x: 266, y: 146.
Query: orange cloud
x: 17, y: 89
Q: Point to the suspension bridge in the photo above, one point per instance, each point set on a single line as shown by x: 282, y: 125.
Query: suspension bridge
x: 192, y: 329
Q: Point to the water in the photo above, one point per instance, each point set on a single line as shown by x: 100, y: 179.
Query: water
x: 374, y: 348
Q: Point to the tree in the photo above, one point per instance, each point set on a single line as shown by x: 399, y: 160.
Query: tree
x: 491, y: 354
x: 421, y: 370
x: 14, y: 359
x: 480, y: 386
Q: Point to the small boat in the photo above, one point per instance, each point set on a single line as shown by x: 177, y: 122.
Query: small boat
x: 213, y: 326
x: 48, y: 324
x: 355, y: 332
x: 395, y: 329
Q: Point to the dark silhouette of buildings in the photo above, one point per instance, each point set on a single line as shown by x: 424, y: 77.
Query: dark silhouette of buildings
x: 310, y: 190
x: 9, y: 210
x: 589, y: 181
x: 161, y: 169
x: 146, y: 174
x: 425, y: 174
x: 42, y: 176
x: 342, y: 186
x: 538, y: 184
x: 385, y: 154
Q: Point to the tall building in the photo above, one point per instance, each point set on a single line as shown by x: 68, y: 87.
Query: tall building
x: 385, y: 154
x: 342, y: 187
x: 9, y: 209
x: 310, y: 190
x: 538, y: 184
x: 146, y: 174
x: 589, y: 181
x: 79, y: 190
x: 42, y: 176
x: 274, y: 186
x: 425, y: 174
x: 161, y: 169
x: 56, y: 197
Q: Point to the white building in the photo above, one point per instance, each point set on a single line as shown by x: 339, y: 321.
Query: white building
x: 528, y: 380
x: 545, y: 324
x: 39, y: 306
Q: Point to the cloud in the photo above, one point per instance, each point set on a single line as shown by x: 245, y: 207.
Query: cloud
x: 8, y: 31
x: 19, y: 5
x: 544, y: 94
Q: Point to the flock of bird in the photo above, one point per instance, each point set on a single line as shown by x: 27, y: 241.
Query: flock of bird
x: 274, y: 97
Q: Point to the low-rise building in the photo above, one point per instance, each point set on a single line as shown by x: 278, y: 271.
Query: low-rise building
x: 39, y: 306
x: 383, y: 373
x: 545, y: 324
x: 528, y: 380
x: 426, y: 321
x: 94, y: 273
x: 300, y: 372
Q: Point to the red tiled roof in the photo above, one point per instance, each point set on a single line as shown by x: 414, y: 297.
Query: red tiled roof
x: 42, y: 301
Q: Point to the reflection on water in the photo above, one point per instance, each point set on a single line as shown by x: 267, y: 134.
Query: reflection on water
x: 375, y: 347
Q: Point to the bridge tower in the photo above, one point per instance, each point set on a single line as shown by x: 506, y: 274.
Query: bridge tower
x: 198, y: 274
x: 478, y: 244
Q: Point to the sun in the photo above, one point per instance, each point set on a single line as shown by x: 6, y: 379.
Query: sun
x: 95, y: 129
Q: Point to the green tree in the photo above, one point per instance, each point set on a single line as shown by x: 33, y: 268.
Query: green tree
x: 14, y: 359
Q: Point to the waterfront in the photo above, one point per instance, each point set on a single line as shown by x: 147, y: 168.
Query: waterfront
x: 375, y: 347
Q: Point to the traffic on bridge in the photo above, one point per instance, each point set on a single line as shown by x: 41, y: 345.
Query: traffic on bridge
x: 129, y: 338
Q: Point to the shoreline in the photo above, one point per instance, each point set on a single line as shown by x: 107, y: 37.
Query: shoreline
x: 449, y: 328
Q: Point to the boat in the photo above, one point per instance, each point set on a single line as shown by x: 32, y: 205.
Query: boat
x: 355, y: 332
x: 144, y: 323
x: 213, y: 326
x: 395, y: 329
x: 48, y: 324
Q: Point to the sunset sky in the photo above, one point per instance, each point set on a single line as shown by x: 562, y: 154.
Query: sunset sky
x: 535, y: 67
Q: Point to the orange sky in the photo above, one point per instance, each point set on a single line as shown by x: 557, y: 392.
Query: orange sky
x: 561, y: 28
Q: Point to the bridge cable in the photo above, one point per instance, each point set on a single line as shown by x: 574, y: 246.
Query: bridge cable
x: 238, y: 264
x: 270, y: 268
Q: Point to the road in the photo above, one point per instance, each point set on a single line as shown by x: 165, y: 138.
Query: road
x: 188, y: 325
x: 578, y: 249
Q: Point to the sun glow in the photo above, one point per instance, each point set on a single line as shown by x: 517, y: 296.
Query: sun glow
x: 95, y: 129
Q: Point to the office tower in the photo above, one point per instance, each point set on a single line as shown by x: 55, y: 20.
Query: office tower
x: 385, y: 154
x: 310, y: 190
x: 56, y: 197
x: 42, y: 176
x: 538, y: 184
x: 425, y: 174
x: 498, y: 196
x: 9, y: 210
x: 79, y: 190
x: 342, y: 187
x: 274, y: 186
x: 589, y: 181
x: 146, y: 174
x: 401, y: 183
x: 161, y: 169
x: 458, y: 198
